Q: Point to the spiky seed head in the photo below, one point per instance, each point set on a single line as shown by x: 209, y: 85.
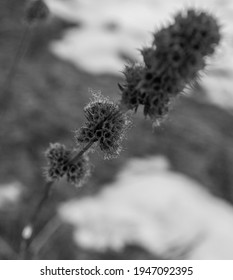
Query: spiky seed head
x: 58, y: 157
x: 148, y: 56
x: 172, y: 63
x: 106, y: 125
x: 181, y: 47
x: 157, y: 107
x: 36, y: 10
x: 131, y: 95
x: 78, y: 172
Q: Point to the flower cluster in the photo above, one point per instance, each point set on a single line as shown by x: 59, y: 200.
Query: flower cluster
x: 172, y: 63
x: 106, y: 126
x: 59, y: 164
x: 131, y: 95
x: 36, y: 10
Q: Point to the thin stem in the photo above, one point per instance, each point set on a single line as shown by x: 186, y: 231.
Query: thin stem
x: 6, y: 90
x: 6, y: 247
x: 28, y: 231
x: 45, y: 196
x: 80, y: 153
x: 41, y: 239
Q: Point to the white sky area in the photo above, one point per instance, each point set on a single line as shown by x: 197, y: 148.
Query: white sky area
x: 96, y: 50
x: 155, y: 208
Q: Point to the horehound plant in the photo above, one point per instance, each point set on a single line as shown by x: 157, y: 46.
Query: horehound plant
x: 171, y: 64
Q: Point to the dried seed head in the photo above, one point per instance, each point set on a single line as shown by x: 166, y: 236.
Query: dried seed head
x: 131, y: 95
x: 58, y: 157
x: 78, y: 172
x: 181, y: 48
x: 106, y: 125
x: 148, y: 56
x: 172, y: 63
x: 36, y: 10
x: 157, y: 107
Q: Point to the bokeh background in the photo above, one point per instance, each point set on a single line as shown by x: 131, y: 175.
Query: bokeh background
x: 169, y: 194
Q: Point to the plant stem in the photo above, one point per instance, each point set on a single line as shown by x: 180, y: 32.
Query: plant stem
x: 80, y: 153
x: 40, y: 240
x: 7, y: 94
x: 28, y: 231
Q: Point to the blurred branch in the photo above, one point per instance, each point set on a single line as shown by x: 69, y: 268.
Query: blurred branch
x: 43, y: 237
x: 6, y: 248
x: 28, y: 231
x: 7, y: 93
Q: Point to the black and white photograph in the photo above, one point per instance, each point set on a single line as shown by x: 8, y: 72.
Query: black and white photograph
x: 116, y: 130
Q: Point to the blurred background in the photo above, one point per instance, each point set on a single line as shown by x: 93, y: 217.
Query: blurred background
x: 169, y: 194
